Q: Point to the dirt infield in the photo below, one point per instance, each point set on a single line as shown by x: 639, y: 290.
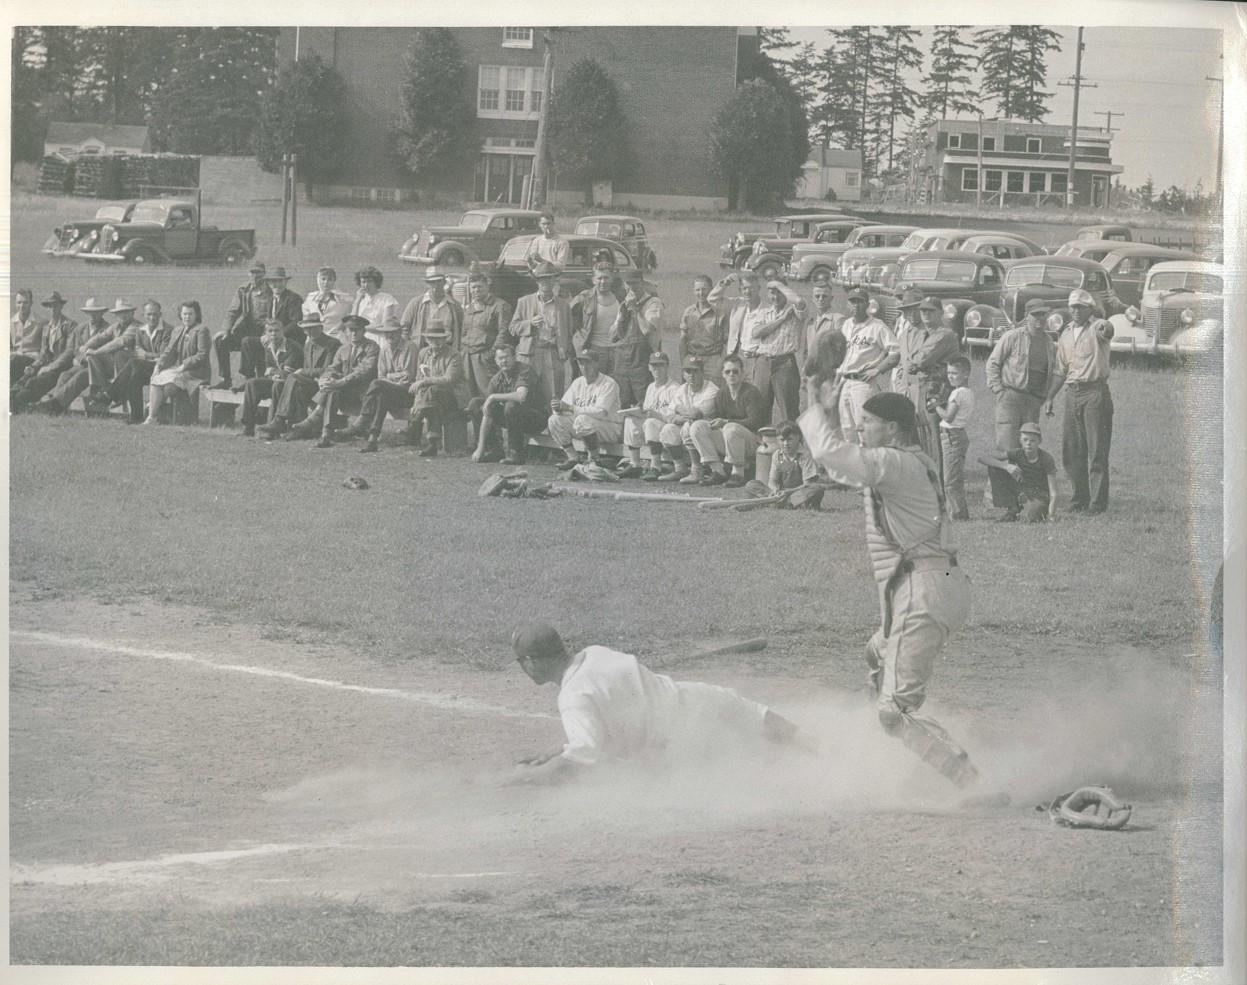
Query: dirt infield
x: 173, y: 788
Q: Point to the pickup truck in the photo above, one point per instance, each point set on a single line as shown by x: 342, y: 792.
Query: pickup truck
x: 480, y: 235
x: 72, y: 238
x: 168, y: 230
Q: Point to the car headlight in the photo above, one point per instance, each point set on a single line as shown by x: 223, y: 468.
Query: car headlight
x: 1132, y: 315
x: 973, y: 318
x: 415, y: 238
x: 1055, y: 321
x: 108, y: 234
x: 432, y: 239
x: 1187, y: 317
x: 758, y: 248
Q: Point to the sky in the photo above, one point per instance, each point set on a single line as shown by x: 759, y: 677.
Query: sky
x: 1154, y: 77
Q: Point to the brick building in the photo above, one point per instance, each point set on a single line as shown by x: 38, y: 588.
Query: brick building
x: 1023, y: 163
x: 671, y: 81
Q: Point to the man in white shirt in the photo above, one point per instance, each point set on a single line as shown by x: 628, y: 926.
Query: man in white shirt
x: 549, y: 246
x: 589, y: 411
x: 332, y: 305
x: 694, y: 401
x: 645, y: 423
x: 871, y: 351
x: 614, y: 709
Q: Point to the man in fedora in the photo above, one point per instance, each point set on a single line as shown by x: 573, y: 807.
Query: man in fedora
x: 437, y: 391
x: 390, y: 392
x: 589, y: 411
x: 433, y: 311
x: 925, y: 346
x: 341, y: 387
x: 541, y: 329
x: 292, y: 394
x: 73, y: 375
x: 282, y: 356
x: 25, y: 333
x: 244, y: 319
x: 111, y: 356
x: 40, y: 376
x: 284, y: 306
x: 871, y: 350
x: 150, y: 338
x: 1019, y: 369
x: 636, y: 333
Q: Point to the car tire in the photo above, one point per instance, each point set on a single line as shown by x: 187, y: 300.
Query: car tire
x: 451, y: 258
x: 740, y: 261
x: 820, y: 271
x: 769, y: 271
x: 231, y: 256
x: 143, y: 257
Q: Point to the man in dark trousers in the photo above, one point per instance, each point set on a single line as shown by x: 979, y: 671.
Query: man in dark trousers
x: 40, y: 376
x: 282, y: 356
x: 341, y: 387
x: 244, y: 319
x: 293, y: 394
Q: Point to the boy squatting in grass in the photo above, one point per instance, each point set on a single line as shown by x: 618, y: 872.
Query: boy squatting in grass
x: 614, y: 709
x: 1024, y: 481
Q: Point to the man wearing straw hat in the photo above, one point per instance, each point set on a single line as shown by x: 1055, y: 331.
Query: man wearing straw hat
x: 74, y: 377
x: 433, y: 311
x: 437, y: 391
x: 390, y: 392
x: 111, y: 356
x: 151, y: 338
x: 58, y: 337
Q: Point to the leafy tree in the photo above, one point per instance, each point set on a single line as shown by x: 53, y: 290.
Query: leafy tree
x: 436, y: 133
x: 305, y: 113
x: 949, y: 89
x: 752, y: 142
x: 588, y: 132
x: 26, y: 140
x: 773, y: 73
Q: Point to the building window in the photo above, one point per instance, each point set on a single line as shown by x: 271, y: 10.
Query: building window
x: 517, y: 37
x: 1036, y: 181
x: 954, y: 141
x: 1016, y: 181
x: 508, y: 92
x: 989, y: 143
x: 852, y: 179
x: 1057, y: 182
x: 969, y: 179
x: 1034, y: 145
x: 992, y: 180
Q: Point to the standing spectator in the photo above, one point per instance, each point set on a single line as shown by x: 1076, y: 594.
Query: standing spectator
x: 542, y: 329
x: 184, y: 364
x: 1024, y: 480
x: 1082, y: 366
x: 293, y: 394
x: 341, y: 387
x: 702, y: 331
x: 754, y: 332
x: 589, y: 411
x: 371, y: 303
x: 25, y: 333
x: 954, y: 416
x: 434, y: 311
x: 549, y: 247
x: 484, y: 318
x: 437, y: 393
x: 925, y: 348
x: 595, y: 311
x: 244, y: 319
x: 60, y: 340
x: 906, y: 319
x: 645, y: 423
x: 75, y: 376
x: 1021, y: 366
x: 390, y: 392
x: 824, y: 341
x: 327, y: 301
x: 776, y: 372
x: 730, y: 430
x: 871, y: 351
x: 636, y: 333
x: 111, y: 357
x: 282, y: 356
x: 694, y: 400
x: 151, y: 337
x: 515, y: 402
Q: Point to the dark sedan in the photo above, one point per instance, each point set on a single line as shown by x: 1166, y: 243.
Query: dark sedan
x: 513, y: 281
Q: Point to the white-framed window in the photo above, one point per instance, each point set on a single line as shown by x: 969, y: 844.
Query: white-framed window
x: 992, y: 180
x: 1036, y: 181
x: 954, y: 141
x: 1016, y: 181
x: 1057, y: 182
x: 852, y: 179
x: 517, y: 37
x: 508, y: 92
x: 1033, y: 145
x: 989, y: 143
x: 969, y: 179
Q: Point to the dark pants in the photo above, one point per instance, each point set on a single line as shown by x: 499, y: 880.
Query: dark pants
x: 253, y: 392
x: 292, y: 398
x: 434, y: 405
x: 1088, y: 432
x: 25, y: 394
x: 249, y: 345
x: 632, y: 383
x: 69, y: 385
x: 127, y: 387
x: 382, y: 397
x: 515, y: 419
x: 778, y: 379
x: 1008, y: 493
x: 18, y: 363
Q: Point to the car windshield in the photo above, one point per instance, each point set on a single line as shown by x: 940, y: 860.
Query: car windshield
x: 1039, y: 273
x: 954, y: 270
x: 783, y: 229
x: 513, y: 252
x: 475, y: 220
x: 153, y: 212
x: 1185, y: 280
x: 607, y: 230
x: 913, y: 240
x: 111, y: 213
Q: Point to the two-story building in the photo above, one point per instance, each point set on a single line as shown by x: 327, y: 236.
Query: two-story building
x: 1020, y: 162
x: 830, y: 169
x: 671, y: 82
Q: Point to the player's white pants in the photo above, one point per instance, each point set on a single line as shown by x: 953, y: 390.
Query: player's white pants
x: 641, y: 431
x: 564, y: 427
x: 733, y: 441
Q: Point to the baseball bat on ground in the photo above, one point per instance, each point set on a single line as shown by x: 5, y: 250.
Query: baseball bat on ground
x: 754, y: 645
x: 605, y: 492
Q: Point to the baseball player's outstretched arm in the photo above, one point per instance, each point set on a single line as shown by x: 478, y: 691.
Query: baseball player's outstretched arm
x: 556, y: 769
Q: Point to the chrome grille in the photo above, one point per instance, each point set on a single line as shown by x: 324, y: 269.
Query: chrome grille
x: 1160, y: 323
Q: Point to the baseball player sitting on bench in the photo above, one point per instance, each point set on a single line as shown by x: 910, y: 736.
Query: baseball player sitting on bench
x: 614, y: 709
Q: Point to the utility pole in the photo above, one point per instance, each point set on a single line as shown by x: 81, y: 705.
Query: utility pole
x: 1108, y: 194
x: 1078, y: 83
x: 1220, y: 127
x: 537, y: 181
x: 978, y: 184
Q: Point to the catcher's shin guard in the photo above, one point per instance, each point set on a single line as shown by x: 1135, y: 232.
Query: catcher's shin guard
x: 932, y: 743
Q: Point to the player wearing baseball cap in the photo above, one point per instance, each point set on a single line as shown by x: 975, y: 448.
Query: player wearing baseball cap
x: 871, y: 351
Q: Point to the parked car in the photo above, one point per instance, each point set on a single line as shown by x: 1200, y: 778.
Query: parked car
x: 74, y: 237
x: 1180, y: 312
x: 512, y: 279
x: 625, y: 230
x: 770, y: 256
x: 1129, y: 263
x: 945, y: 275
x: 810, y: 260
x: 1091, y: 249
x: 736, y: 251
x: 1002, y: 246
x: 1113, y: 231
x: 479, y: 236
x: 168, y: 230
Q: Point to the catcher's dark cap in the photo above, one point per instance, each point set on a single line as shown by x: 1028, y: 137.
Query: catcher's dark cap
x: 1030, y: 428
x: 536, y: 639
x: 857, y: 294
x: 1037, y: 306
x: 911, y: 298
x: 354, y: 321
x: 929, y: 304
x: 659, y: 358
x: 893, y: 407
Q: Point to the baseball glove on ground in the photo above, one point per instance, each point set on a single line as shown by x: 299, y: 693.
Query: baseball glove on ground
x: 355, y: 482
x: 593, y: 473
x: 1090, y: 807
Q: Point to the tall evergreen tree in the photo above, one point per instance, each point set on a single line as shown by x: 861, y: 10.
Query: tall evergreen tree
x: 802, y: 70
x: 949, y: 87
x: 1002, y: 64
x: 437, y: 130
x: 899, y: 99
x: 834, y: 116
x: 775, y: 43
x: 1031, y: 100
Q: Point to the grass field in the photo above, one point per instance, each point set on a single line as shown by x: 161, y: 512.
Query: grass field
x: 190, y: 612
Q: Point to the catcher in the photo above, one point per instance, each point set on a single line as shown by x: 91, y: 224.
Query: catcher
x: 615, y: 709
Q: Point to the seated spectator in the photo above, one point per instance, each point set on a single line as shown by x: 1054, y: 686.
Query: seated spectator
x: 341, y: 387
x: 25, y: 333
x: 792, y: 467
x: 437, y: 392
x: 731, y: 430
x: 371, y: 303
x: 74, y: 375
x: 1024, y: 481
x: 327, y: 301
x: 645, y: 423
x: 694, y: 400
x: 183, y: 367
x: 59, y: 340
x: 294, y: 392
x: 245, y: 319
x: 589, y: 411
x: 110, y: 357
x: 516, y: 403
x: 614, y: 709
x: 151, y: 337
x: 954, y: 414
x: 390, y: 392
x: 282, y: 356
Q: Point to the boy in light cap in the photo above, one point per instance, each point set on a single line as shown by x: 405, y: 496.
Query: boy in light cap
x: 1024, y: 480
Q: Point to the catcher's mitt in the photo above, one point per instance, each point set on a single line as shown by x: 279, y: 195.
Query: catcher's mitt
x: 594, y: 473
x: 355, y: 482
x: 1089, y: 807
x: 496, y: 483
